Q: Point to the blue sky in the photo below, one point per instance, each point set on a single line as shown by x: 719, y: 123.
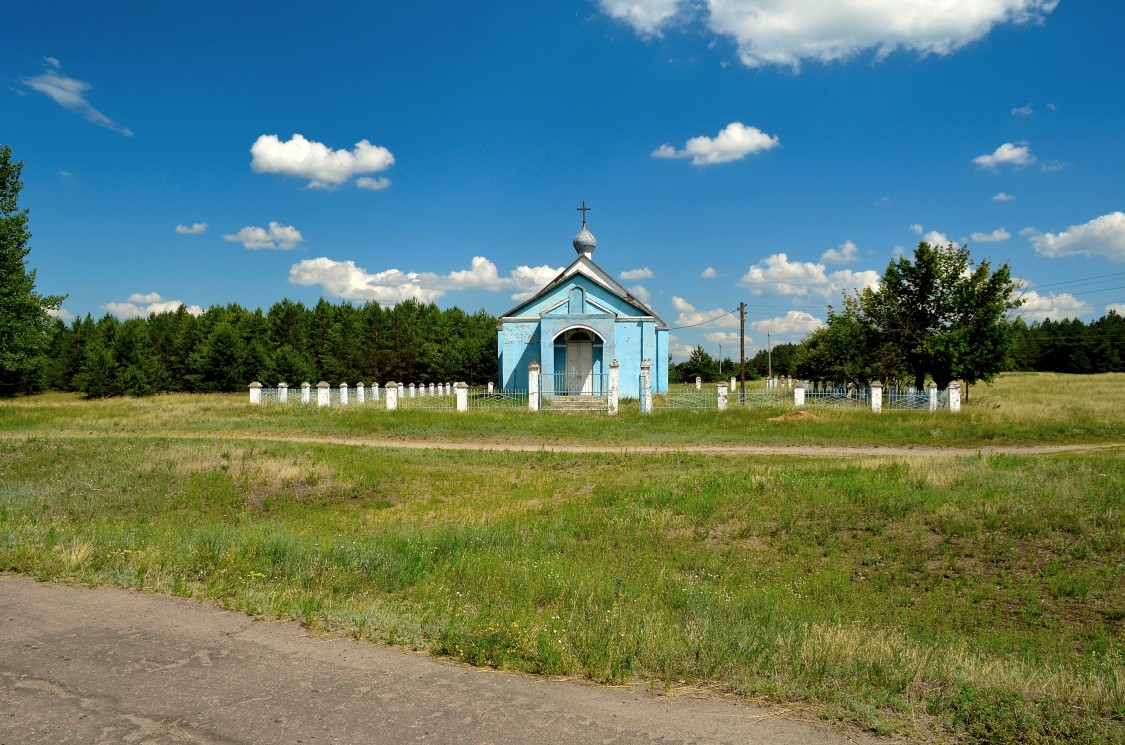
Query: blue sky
x: 773, y: 152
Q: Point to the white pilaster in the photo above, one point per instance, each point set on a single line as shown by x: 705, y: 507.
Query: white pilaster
x: 461, y: 391
x: 646, y: 387
x: 533, y: 386
x: 392, y: 397
x: 876, y: 396
x: 722, y: 396
x: 614, y: 386
x: 322, y: 393
x: 255, y: 392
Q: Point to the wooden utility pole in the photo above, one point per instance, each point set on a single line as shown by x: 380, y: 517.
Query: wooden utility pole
x: 769, y: 355
x: 742, y: 351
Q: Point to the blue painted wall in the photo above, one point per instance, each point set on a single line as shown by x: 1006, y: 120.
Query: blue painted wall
x: 575, y: 304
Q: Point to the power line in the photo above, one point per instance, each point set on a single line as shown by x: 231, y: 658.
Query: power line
x: 704, y: 323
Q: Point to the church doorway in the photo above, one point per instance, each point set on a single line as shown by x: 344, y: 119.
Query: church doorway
x: 578, y: 366
x: 579, y: 362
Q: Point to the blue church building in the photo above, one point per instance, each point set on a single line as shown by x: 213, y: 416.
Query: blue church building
x: 575, y: 326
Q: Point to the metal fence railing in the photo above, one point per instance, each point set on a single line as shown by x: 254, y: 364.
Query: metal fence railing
x: 839, y: 397
x: 592, y: 395
x: 498, y: 399
x: 687, y: 397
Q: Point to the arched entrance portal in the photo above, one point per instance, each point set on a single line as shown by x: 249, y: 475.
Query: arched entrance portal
x: 579, y: 362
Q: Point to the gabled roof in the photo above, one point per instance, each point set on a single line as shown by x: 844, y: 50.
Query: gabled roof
x: 586, y: 267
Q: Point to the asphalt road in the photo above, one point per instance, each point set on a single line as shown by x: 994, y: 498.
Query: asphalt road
x: 86, y: 666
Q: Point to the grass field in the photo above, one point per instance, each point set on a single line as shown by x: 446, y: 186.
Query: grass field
x: 977, y: 598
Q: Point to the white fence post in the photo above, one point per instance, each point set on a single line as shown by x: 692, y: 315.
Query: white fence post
x: 931, y: 389
x: 876, y: 396
x: 413, y: 390
x: 305, y: 388
x: 698, y: 383
x: 799, y: 393
x: 322, y: 393
x: 462, y: 392
x: 533, y: 386
x: 733, y: 387
x: 490, y: 390
x: 722, y: 396
x: 433, y: 389
x: 374, y: 391
x: 392, y: 396
x: 954, y: 391
x: 255, y: 392
x: 401, y: 391
x: 283, y: 392
x: 343, y: 394
x: 646, y: 386
x: 614, y: 386
x: 360, y: 392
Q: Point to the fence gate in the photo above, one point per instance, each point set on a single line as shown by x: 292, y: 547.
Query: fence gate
x: 574, y: 392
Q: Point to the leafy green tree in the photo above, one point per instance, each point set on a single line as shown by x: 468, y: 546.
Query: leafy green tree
x: 25, y: 327
x: 943, y: 316
x: 699, y: 364
x: 846, y: 350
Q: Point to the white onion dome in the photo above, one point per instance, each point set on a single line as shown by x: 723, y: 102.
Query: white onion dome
x: 585, y: 242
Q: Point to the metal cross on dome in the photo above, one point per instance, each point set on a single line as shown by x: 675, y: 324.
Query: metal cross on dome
x: 583, y: 209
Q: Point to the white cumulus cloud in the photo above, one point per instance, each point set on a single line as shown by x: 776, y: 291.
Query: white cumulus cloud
x: 277, y: 236
x: 646, y: 17
x: 689, y: 316
x: 846, y: 253
x: 60, y: 313
x: 1118, y: 308
x: 70, y: 94
x: 788, y: 32
x: 1102, y: 236
x: 632, y: 274
x: 374, y: 184
x: 777, y: 275
x: 725, y: 337
x: 1023, y: 110
x: 1008, y: 154
x: 142, y: 304
x: 194, y: 229
x: 996, y: 235
x: 1002, y: 197
x: 1038, y: 307
x: 344, y: 279
x: 734, y: 142
x: 709, y: 273
x: 320, y: 164
x: 640, y: 292
x: 936, y: 238
x: 794, y: 325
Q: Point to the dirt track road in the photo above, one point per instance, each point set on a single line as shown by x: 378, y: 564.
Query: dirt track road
x: 107, y: 666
